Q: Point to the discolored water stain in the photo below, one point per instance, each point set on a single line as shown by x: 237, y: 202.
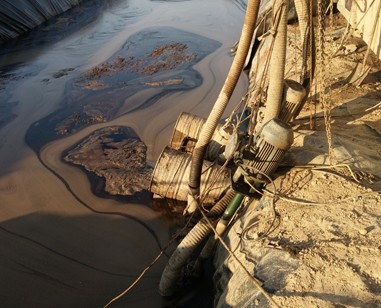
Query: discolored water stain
x: 10, y: 75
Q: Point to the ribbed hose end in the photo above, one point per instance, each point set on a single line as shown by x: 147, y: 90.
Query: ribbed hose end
x: 167, y: 286
x: 171, y: 273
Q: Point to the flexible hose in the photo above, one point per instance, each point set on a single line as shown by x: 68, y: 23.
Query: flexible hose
x: 221, y: 103
x: 190, y: 242
x: 220, y: 228
x: 307, y: 35
x: 303, y: 13
x: 277, y: 63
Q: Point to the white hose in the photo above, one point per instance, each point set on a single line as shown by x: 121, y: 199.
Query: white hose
x: 221, y: 103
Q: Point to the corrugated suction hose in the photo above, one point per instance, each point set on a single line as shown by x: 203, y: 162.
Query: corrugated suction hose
x: 190, y: 242
x: 221, y: 103
x: 277, y: 63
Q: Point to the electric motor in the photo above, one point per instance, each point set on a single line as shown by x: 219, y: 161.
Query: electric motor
x: 258, y: 162
x: 293, y: 97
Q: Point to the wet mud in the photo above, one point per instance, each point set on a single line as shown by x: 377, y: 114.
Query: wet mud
x: 117, y: 155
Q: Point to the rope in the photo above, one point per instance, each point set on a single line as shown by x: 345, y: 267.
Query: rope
x: 323, y: 95
x: 275, y: 194
x: 312, y: 105
x: 135, y: 282
x: 233, y: 255
x: 329, y: 202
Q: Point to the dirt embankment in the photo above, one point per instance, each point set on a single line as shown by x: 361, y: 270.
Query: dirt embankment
x: 317, y: 242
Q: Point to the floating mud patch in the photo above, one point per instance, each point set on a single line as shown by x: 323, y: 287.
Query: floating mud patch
x: 163, y: 57
x: 118, y: 156
x: 160, y: 59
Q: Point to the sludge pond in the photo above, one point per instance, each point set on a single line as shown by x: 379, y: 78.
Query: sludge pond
x: 130, y: 66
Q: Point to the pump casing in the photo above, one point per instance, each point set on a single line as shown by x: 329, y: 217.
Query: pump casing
x: 257, y: 163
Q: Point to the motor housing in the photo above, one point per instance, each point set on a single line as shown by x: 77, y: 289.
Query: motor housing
x: 293, y: 98
x: 257, y: 163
